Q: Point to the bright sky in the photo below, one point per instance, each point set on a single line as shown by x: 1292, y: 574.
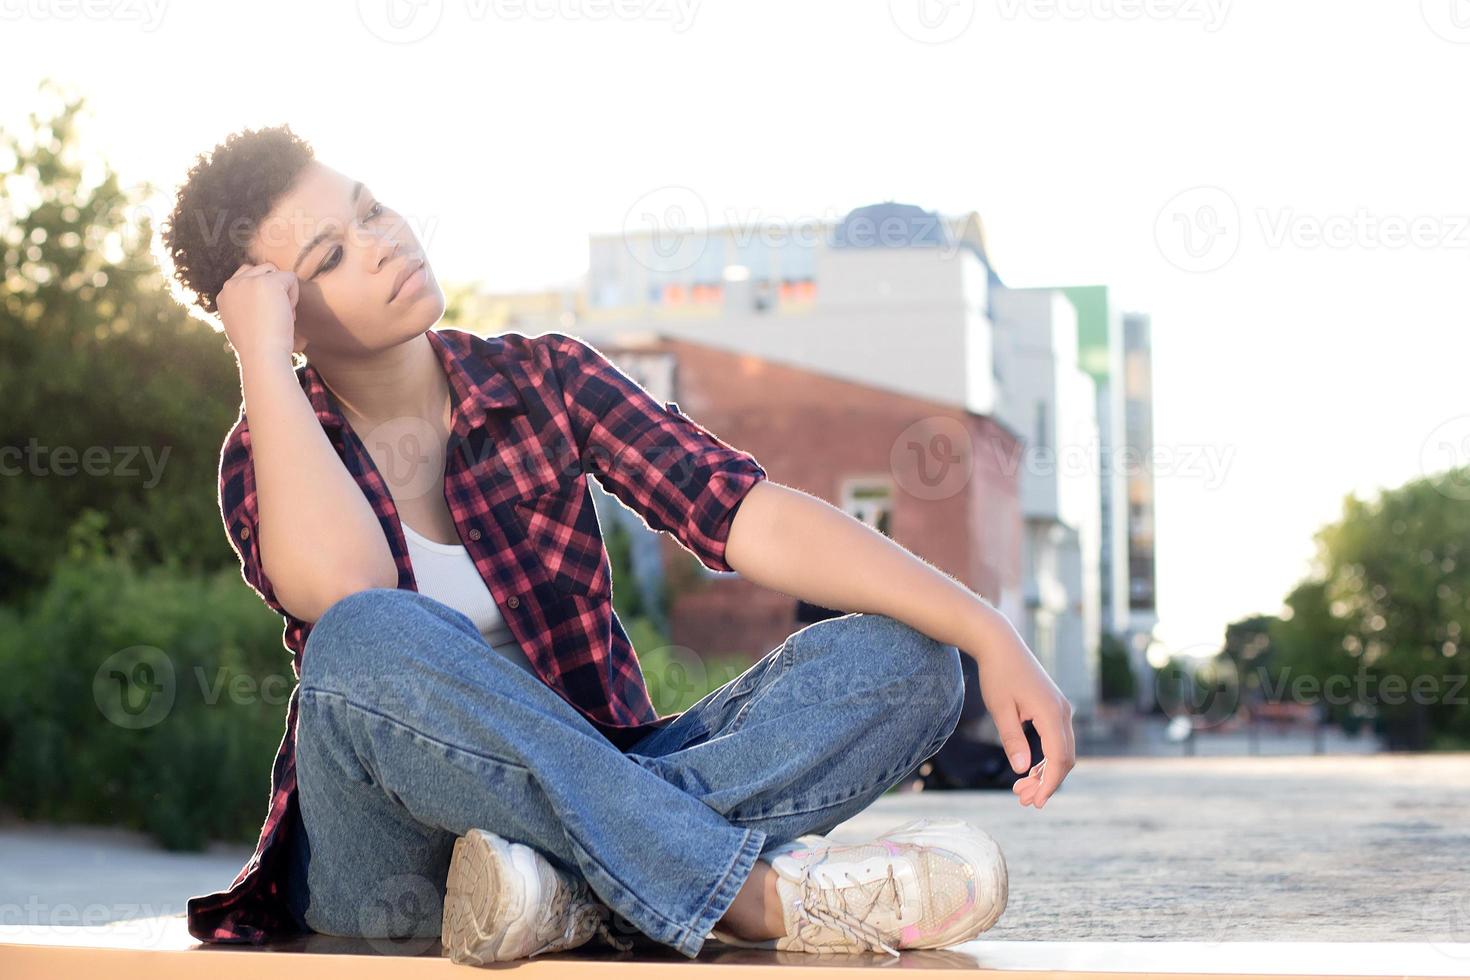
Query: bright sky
x: 1310, y: 337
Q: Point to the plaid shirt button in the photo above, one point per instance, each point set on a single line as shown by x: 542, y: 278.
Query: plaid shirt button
x: 474, y: 534
x: 514, y: 602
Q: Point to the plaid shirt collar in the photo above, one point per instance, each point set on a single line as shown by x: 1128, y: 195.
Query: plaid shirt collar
x: 476, y: 385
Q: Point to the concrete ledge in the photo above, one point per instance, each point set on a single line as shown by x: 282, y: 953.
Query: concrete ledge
x: 161, y: 949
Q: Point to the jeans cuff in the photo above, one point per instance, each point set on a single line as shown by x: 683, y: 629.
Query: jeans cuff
x: 730, y: 885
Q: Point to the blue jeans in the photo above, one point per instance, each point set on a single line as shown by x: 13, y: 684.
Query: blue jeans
x: 412, y: 731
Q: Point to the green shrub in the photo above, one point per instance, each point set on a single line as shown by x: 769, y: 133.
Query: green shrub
x: 1116, y: 672
x: 148, y: 699
x: 678, y: 677
x: 154, y: 699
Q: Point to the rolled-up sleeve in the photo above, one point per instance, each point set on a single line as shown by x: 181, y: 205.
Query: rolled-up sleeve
x: 238, y: 509
x: 674, y: 473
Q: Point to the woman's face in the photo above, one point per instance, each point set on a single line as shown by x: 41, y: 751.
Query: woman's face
x: 351, y: 254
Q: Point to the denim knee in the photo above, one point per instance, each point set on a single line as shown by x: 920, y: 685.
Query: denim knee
x: 935, y: 664
x: 351, y: 625
x: 926, y: 671
x: 952, y: 675
x: 936, y: 677
x: 940, y: 670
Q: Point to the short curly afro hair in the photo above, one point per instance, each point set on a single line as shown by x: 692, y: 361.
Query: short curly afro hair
x: 223, y: 200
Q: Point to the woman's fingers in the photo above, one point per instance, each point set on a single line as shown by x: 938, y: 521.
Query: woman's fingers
x: 248, y: 269
x: 1012, y: 737
x: 1054, y: 725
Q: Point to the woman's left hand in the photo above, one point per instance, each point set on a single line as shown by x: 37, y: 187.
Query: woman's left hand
x: 1016, y: 689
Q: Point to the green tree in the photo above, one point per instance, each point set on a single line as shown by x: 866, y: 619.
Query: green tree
x: 1385, y: 615
x: 1249, y: 654
x: 116, y: 401
x: 1115, y: 672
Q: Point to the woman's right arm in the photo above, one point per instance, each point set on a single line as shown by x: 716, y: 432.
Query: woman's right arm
x: 319, y: 538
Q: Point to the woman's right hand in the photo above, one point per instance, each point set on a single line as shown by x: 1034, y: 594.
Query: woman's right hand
x: 258, y: 309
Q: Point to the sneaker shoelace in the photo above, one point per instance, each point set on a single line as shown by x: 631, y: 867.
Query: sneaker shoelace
x: 827, y: 905
x: 622, y: 945
x: 582, y: 906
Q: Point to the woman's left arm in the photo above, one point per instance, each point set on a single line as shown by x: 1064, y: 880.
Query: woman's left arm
x: 785, y: 539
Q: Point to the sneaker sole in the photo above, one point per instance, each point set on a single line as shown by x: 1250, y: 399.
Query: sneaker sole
x: 485, y: 886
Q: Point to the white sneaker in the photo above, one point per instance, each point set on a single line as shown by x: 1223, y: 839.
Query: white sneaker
x: 926, y: 884
x: 506, y: 901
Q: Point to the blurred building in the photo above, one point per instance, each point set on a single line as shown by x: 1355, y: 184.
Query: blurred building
x: 530, y: 312
x: 832, y: 438
x: 1052, y: 401
x: 1115, y: 348
x: 861, y: 360
x: 890, y: 296
x: 1138, y: 431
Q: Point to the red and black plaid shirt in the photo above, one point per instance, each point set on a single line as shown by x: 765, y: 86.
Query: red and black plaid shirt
x: 531, y: 417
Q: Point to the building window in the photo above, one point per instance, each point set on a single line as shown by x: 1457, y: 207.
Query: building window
x: 870, y: 500
x: 797, y: 290
x: 1046, y: 643
x: 707, y: 292
x: 762, y: 297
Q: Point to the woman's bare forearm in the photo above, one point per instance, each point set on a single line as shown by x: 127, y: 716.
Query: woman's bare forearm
x: 319, y: 537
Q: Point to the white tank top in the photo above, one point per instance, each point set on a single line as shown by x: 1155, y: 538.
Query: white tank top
x: 446, y: 572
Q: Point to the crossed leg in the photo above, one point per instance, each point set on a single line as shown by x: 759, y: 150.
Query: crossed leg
x: 412, y: 730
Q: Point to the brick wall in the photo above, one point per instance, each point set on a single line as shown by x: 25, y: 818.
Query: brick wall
x: 811, y: 431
